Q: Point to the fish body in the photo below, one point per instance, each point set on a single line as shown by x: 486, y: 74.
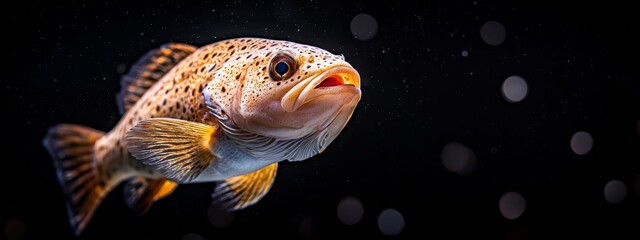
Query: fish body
x: 228, y: 112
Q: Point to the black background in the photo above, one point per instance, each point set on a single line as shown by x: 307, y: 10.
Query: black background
x: 419, y: 93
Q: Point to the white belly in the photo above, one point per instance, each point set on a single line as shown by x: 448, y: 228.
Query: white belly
x: 231, y: 161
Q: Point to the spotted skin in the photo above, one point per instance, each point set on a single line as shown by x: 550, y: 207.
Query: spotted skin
x: 222, y: 68
x: 251, y: 116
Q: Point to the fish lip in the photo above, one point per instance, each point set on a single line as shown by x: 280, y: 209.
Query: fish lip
x: 305, y: 91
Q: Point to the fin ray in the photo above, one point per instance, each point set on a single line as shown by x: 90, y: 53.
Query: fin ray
x: 70, y: 146
x: 243, y: 191
x: 179, y: 149
x: 163, y: 191
x: 140, y: 192
x: 149, y: 69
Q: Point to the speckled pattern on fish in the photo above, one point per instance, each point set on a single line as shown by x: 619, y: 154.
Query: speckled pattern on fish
x: 228, y: 111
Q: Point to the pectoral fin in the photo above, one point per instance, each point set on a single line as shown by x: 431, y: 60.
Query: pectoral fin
x: 242, y: 191
x: 179, y: 149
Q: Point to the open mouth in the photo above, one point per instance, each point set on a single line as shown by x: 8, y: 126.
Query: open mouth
x: 334, y: 80
x: 331, y: 81
x: 339, y: 78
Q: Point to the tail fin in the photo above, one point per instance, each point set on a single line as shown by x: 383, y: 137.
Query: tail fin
x: 71, y: 147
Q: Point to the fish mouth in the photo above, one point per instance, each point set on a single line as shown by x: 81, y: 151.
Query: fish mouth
x: 337, y: 80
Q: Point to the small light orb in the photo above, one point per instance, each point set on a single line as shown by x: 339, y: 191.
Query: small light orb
x: 390, y: 222
x: 350, y: 211
x: 364, y: 27
x: 514, y: 89
x: 493, y: 33
x: 512, y: 205
x: 615, y: 191
x: 581, y: 143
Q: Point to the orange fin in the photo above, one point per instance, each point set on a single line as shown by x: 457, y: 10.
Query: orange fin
x: 167, y: 188
x: 71, y: 147
x: 242, y: 191
x: 178, y: 149
x: 141, y: 192
x: 148, y: 70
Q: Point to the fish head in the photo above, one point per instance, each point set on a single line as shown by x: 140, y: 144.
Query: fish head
x: 287, y: 91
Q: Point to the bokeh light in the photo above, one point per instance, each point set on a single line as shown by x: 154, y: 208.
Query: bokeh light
x: 219, y: 217
x: 390, y: 222
x: 581, y: 142
x: 15, y: 229
x: 615, y: 191
x: 458, y: 158
x: 512, y: 205
x: 465, y: 53
x: 514, y: 89
x: 191, y: 236
x: 493, y: 33
x: 364, y: 26
x: 350, y: 210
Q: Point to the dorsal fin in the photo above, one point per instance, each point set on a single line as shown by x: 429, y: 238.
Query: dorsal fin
x: 148, y: 70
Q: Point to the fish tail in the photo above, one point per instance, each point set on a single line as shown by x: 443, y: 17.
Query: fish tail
x: 71, y: 147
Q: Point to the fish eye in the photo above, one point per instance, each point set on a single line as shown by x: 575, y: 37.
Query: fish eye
x: 282, y: 66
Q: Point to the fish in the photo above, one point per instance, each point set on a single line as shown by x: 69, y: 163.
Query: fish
x: 227, y: 112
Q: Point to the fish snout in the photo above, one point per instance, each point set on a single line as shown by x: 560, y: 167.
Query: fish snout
x: 337, y: 81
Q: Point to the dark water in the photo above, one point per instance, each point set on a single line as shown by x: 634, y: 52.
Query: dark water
x: 431, y: 82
